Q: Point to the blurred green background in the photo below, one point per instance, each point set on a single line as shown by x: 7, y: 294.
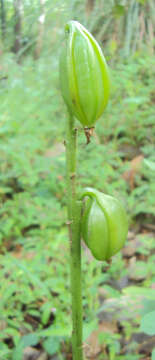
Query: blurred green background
x: 35, y: 314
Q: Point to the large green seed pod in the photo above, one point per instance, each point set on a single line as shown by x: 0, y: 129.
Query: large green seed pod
x: 104, y: 224
x: 84, y: 76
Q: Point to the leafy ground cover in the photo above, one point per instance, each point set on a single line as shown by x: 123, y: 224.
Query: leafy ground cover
x: 35, y: 319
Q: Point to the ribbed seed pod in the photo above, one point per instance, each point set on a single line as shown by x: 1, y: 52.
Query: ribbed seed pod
x: 84, y: 76
x: 104, y: 224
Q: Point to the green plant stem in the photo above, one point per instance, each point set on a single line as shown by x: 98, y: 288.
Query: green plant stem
x: 74, y: 237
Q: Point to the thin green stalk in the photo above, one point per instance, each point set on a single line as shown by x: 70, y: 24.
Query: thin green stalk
x: 74, y: 237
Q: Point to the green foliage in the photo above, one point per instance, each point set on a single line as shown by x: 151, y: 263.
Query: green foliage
x: 34, y: 276
x: 123, y: 25
x: 153, y: 354
x: 148, y: 323
x: 148, y: 326
x: 131, y: 24
x: 34, y: 246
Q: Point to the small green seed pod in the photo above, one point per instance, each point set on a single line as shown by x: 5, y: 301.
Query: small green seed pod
x: 84, y: 76
x: 104, y: 224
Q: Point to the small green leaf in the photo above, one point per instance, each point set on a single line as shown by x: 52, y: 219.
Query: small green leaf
x: 46, y: 312
x: 27, y: 340
x: 30, y: 340
x: 153, y: 354
x: 18, y: 352
x: 150, y: 164
x: 149, y: 306
x: 119, y: 10
x: 137, y: 291
x: 148, y: 323
x: 52, y: 345
x: 89, y: 328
